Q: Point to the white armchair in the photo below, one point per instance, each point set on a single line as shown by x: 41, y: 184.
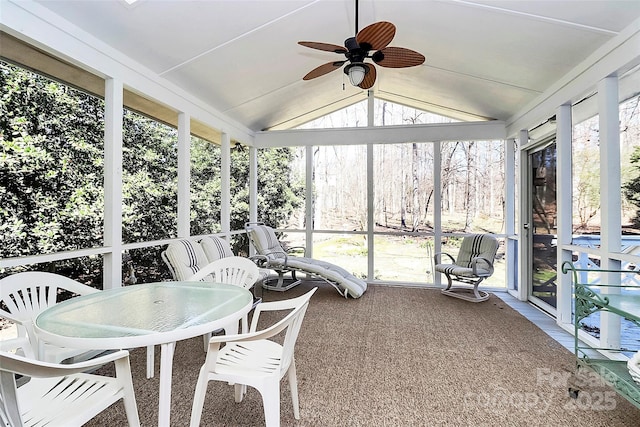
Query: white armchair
x: 27, y: 294
x: 62, y: 394
x: 252, y: 359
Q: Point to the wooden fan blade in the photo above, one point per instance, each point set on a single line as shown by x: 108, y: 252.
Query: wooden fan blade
x: 376, y: 36
x: 397, y: 57
x: 328, y: 47
x: 323, y: 69
x: 369, y: 78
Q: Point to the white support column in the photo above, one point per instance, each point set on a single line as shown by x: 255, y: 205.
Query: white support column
x: 370, y: 192
x: 509, y: 211
x: 610, y: 198
x: 437, y: 207
x: 225, y: 180
x: 370, y: 215
x: 309, y: 214
x: 564, y: 195
x: 526, y: 228
x: 184, y: 175
x: 112, y: 274
x: 610, y: 201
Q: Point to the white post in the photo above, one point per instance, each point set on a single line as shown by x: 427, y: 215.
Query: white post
x: 526, y: 228
x: 225, y: 180
x: 610, y: 202
x: 437, y: 208
x: 308, y: 207
x: 112, y: 274
x: 564, y: 195
x: 509, y: 212
x: 184, y: 175
x: 370, y: 192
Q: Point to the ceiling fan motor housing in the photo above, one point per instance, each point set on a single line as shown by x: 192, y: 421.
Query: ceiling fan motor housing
x: 356, y: 53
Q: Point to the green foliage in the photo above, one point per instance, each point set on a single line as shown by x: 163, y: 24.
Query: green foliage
x: 52, y: 179
x: 279, y: 195
x: 51, y: 196
x: 149, y: 179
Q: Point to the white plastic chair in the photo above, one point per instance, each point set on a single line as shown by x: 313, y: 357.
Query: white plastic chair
x: 252, y: 359
x: 232, y: 270
x: 26, y: 295
x: 62, y: 395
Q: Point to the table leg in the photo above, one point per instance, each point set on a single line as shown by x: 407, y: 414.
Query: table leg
x: 166, y: 372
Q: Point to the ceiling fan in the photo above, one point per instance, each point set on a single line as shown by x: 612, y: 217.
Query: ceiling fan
x: 374, y: 37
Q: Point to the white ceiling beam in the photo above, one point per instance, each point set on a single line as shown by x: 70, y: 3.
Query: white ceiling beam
x: 383, y: 135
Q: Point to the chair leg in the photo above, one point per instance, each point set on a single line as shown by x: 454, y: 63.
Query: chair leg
x: 150, y: 361
x: 271, y: 401
x: 123, y: 373
x: 293, y: 385
x: 449, y: 280
x: 198, y: 398
x: 479, y: 295
x: 206, y: 338
x: 239, y: 390
x: 245, y: 324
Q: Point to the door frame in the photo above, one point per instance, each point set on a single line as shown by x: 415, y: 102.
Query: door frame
x: 527, y: 229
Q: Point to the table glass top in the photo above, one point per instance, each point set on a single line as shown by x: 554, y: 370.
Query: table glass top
x: 143, y: 309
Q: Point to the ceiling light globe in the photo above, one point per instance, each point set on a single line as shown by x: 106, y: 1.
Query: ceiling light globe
x: 356, y: 74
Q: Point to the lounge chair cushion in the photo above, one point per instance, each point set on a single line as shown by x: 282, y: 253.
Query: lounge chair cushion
x: 215, y: 248
x: 186, y: 257
x: 479, y: 245
x: 354, y: 286
x: 266, y: 243
x: 462, y: 271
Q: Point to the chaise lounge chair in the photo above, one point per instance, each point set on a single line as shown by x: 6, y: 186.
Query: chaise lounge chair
x: 271, y: 255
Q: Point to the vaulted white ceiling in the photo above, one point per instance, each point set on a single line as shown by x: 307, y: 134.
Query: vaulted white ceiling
x: 484, y: 59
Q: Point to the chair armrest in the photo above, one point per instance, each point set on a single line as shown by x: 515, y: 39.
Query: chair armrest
x: 487, y: 263
x: 11, y: 317
x: 57, y: 369
x: 276, y: 252
x: 297, y: 249
x: 201, y: 274
x: 260, y: 260
x: 22, y: 343
x: 439, y: 254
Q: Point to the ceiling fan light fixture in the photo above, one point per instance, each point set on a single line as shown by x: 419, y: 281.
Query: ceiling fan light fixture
x: 356, y: 73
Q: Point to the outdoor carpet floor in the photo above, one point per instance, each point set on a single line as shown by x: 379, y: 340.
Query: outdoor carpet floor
x: 400, y: 357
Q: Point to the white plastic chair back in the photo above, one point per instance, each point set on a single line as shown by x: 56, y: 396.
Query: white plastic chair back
x: 62, y: 395
x: 233, y: 270
x: 26, y: 295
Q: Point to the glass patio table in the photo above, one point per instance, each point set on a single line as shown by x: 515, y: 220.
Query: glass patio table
x: 144, y: 315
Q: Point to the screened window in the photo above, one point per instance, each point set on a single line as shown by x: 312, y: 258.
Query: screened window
x: 51, y: 165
